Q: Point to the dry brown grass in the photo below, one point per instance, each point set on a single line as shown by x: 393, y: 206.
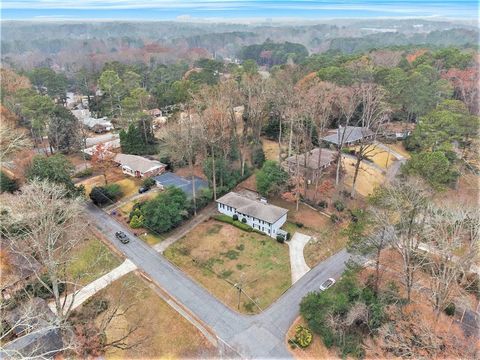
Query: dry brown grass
x: 368, y: 176
x: 380, y: 156
x: 270, y: 148
x: 91, y: 182
x: 218, y: 254
x: 164, y: 332
x: 399, y: 148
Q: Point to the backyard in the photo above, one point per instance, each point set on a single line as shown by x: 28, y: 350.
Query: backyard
x: 162, y: 332
x: 369, y: 177
x: 218, y: 255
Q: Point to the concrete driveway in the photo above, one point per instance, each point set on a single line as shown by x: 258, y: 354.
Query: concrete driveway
x: 297, y: 261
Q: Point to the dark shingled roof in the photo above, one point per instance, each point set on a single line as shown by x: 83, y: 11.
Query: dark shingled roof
x: 352, y: 134
x: 183, y: 183
x: 326, y: 157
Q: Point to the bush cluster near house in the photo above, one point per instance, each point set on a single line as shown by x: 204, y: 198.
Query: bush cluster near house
x: 239, y: 224
x: 163, y: 212
x: 344, y: 314
x: 105, y: 195
x: 148, y: 183
x: 271, y: 179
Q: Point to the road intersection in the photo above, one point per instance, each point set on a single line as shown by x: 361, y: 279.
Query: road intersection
x: 250, y: 336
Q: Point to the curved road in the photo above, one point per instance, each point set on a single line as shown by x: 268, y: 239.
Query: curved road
x: 255, y: 336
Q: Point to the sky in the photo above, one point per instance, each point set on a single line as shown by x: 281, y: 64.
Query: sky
x: 230, y: 10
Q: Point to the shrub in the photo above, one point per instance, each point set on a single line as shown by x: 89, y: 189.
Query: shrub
x: 242, y: 226
x: 224, y: 218
x: 334, y: 218
x: 136, y: 221
x: 225, y: 274
x: 339, y: 205
x: 289, y: 236
x: 450, y: 309
x: 227, y: 219
x: 235, y: 217
x: 258, y: 157
x: 7, y: 184
x: 99, y: 196
x: 322, y: 204
x: 231, y: 254
x: 280, y: 239
x: 303, y: 336
x: 166, y: 210
x: 271, y: 179
x: 244, y: 220
x: 114, y: 191
x: 240, y: 247
x: 149, y: 183
x: 84, y: 173
x: 249, y: 306
x: 299, y: 224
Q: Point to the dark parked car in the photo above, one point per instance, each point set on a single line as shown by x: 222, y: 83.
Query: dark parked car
x: 143, y: 189
x: 120, y: 235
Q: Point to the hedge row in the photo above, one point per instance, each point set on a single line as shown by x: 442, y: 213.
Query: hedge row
x: 227, y: 219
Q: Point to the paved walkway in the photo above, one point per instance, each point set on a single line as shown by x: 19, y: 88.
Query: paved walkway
x: 297, y: 261
x: 82, y: 295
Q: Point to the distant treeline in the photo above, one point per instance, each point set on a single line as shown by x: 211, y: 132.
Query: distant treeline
x: 270, y: 53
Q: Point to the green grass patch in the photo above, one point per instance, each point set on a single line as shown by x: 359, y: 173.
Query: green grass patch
x: 91, y: 260
x: 151, y: 239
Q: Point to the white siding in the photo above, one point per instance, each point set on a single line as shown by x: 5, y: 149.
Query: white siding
x: 263, y: 226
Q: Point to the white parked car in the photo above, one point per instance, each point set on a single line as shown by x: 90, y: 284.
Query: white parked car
x: 326, y: 284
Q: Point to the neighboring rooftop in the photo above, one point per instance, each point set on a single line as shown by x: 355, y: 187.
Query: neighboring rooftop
x: 138, y: 163
x: 351, y: 135
x: 183, y: 183
x: 15, y: 268
x: 256, y: 208
x: 326, y: 157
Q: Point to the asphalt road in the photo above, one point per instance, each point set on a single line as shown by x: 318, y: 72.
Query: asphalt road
x: 252, y: 336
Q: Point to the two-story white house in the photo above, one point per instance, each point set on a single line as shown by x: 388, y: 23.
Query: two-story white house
x: 260, y: 215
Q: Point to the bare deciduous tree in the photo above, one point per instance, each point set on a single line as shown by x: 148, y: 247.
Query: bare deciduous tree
x: 374, y: 113
x: 42, y: 224
x: 348, y: 100
x: 451, y: 250
x: 11, y: 141
x: 185, y: 142
x: 406, y: 203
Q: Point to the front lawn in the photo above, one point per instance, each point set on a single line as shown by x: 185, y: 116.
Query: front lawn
x: 218, y: 255
x: 162, y: 333
x: 129, y: 186
x: 91, y: 259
